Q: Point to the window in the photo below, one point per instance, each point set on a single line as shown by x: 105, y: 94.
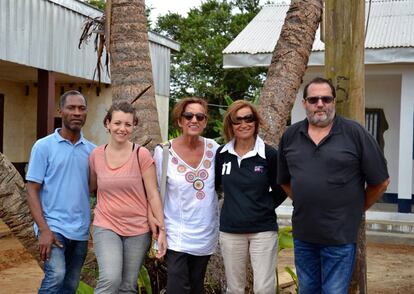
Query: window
x: 376, y: 124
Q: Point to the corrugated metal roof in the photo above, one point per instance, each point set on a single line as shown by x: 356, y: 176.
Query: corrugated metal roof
x: 45, y: 34
x: 391, y: 25
x: 262, y: 33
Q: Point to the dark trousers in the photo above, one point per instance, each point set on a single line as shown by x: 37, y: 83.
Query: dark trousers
x: 185, y: 272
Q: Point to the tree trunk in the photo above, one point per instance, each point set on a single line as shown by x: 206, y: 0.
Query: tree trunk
x: 288, y: 65
x: 13, y: 207
x: 131, y: 70
x: 344, y: 66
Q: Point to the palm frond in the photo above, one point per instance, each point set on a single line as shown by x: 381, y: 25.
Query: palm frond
x: 96, y: 27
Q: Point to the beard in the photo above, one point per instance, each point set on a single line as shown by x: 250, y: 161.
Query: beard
x: 321, y: 121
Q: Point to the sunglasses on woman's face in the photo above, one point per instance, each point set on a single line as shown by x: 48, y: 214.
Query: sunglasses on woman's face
x: 247, y: 119
x: 315, y: 99
x: 189, y: 116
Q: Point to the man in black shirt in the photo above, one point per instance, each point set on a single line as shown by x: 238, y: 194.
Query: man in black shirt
x: 333, y: 170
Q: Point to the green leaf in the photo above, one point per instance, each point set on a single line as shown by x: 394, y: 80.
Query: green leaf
x: 285, y: 238
x: 294, y: 277
x: 228, y: 100
x: 84, y: 288
x: 144, y: 280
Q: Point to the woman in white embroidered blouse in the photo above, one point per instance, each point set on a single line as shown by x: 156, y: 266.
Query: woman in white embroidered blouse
x: 190, y: 208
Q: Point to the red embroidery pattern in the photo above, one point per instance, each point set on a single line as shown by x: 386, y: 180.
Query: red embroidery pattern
x: 200, y: 195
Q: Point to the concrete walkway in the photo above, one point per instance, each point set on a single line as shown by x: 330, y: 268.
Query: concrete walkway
x: 383, y: 225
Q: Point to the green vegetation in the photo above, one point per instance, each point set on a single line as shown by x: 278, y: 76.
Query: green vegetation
x: 285, y: 240
x: 84, y: 288
x: 143, y: 282
x: 97, y: 3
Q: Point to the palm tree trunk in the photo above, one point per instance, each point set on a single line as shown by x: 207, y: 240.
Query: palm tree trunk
x: 131, y: 70
x: 288, y: 65
x: 344, y: 66
x: 13, y: 207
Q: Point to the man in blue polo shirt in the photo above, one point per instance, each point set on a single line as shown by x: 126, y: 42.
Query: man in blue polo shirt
x: 58, y: 197
x: 333, y: 170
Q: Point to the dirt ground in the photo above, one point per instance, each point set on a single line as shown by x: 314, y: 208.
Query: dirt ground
x: 19, y: 272
x: 390, y: 268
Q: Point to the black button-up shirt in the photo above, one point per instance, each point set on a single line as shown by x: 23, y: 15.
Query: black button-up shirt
x: 328, y: 179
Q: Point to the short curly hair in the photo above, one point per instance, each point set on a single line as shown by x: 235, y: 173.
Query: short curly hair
x: 179, y: 108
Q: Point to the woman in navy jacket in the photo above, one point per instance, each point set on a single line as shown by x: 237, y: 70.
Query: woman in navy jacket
x: 246, y: 171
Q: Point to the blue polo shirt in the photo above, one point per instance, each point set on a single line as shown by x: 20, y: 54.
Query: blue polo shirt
x: 63, y: 171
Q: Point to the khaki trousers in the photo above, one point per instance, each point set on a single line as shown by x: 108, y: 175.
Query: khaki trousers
x: 262, y: 249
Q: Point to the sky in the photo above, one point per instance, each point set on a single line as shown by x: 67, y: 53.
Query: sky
x: 162, y: 7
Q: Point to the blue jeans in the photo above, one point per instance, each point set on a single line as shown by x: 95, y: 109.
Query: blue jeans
x: 62, y: 270
x: 119, y: 259
x: 324, y: 269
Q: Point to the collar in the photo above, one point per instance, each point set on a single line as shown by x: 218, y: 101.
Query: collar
x: 59, y: 138
x: 259, y: 148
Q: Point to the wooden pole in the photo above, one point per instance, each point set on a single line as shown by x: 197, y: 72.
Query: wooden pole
x: 45, y: 103
x: 344, y: 65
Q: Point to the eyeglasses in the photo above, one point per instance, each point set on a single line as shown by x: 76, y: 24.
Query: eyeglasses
x: 315, y: 99
x: 247, y: 119
x: 189, y: 116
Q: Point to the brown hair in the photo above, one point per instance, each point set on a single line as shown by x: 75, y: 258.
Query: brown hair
x: 319, y: 80
x: 230, y: 117
x: 179, y: 108
x: 121, y: 105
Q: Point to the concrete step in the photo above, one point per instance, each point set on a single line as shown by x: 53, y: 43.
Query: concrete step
x: 390, y: 227
x: 382, y: 227
x: 390, y: 238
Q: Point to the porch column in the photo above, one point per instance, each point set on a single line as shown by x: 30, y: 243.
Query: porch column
x: 405, y: 162
x: 45, y: 102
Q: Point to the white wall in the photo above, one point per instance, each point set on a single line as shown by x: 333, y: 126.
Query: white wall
x: 384, y: 91
x: 163, y: 114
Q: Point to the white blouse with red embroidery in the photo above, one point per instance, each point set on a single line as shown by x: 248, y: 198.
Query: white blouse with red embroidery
x: 191, y: 203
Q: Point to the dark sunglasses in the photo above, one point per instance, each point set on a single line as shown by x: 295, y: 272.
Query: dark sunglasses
x: 189, y: 116
x: 315, y: 99
x: 247, y: 119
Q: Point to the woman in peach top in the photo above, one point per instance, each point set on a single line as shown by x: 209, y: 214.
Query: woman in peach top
x: 119, y: 171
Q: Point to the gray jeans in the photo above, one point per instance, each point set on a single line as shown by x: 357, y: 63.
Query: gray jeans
x: 119, y: 260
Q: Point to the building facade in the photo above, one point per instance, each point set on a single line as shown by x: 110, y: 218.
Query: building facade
x: 40, y: 60
x: 389, y: 88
